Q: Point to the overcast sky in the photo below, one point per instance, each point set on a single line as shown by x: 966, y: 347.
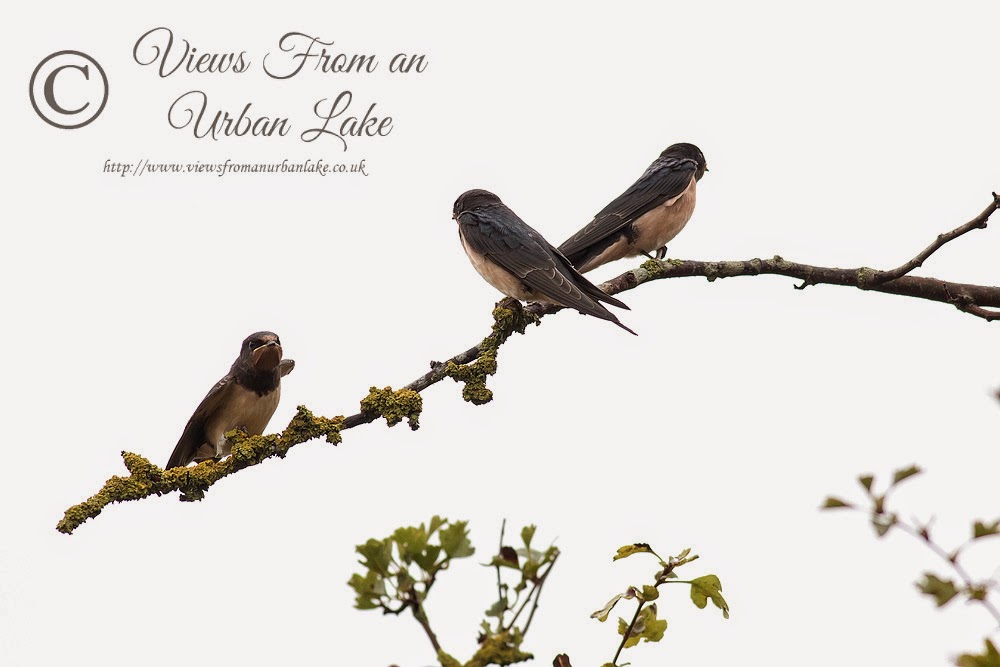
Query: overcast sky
x: 837, y: 135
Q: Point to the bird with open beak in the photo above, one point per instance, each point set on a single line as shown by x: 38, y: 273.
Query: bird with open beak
x: 645, y: 217
x: 243, y: 400
x: 518, y: 261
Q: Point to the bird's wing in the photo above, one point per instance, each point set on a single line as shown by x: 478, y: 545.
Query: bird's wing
x: 194, y: 433
x: 665, y: 179
x: 286, y: 366
x: 508, y: 241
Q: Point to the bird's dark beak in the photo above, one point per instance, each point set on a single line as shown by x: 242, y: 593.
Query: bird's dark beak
x: 267, y: 357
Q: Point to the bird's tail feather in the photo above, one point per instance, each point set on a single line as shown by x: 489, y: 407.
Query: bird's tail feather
x: 596, y: 293
x: 597, y: 310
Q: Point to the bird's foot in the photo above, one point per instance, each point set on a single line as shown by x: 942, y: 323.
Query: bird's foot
x: 510, y: 303
x: 661, y: 252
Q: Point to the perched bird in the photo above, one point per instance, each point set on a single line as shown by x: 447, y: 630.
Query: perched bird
x: 244, y: 399
x: 645, y: 217
x: 516, y: 260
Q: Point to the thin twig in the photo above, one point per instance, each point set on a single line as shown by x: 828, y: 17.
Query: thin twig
x: 500, y: 596
x: 966, y: 305
x: 538, y: 595
x: 979, y: 222
x: 952, y: 560
x: 628, y: 632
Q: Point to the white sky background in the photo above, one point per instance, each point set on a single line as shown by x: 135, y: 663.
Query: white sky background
x: 838, y: 136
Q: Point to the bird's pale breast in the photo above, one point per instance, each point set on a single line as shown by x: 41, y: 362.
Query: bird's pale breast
x: 657, y: 227
x: 500, y: 278
x: 244, y: 409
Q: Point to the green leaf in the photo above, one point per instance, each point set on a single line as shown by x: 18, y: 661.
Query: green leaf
x: 455, y: 540
x: 530, y: 570
x: 427, y: 560
x: 527, y: 533
x: 369, y: 588
x: 377, y: 555
x: 622, y: 629
x: 905, y: 473
x: 942, y: 590
x: 650, y: 593
x: 982, y: 529
x: 882, y: 523
x: 497, y: 609
x: 707, y: 587
x: 404, y: 582
x: 988, y: 658
x: 654, y: 630
x: 647, y: 627
x: 866, y: 481
x: 977, y: 591
x: 436, y: 522
x: 411, y: 541
x: 832, y: 503
x: 631, y: 549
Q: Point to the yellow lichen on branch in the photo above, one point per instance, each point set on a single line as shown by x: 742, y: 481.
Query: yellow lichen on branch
x: 147, y: 479
x: 395, y: 406
x: 506, y: 321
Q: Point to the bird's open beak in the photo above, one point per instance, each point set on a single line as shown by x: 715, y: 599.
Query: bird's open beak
x: 267, y: 357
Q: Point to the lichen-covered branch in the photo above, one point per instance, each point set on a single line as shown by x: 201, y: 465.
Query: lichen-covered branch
x: 474, y: 366
x: 147, y: 479
x: 471, y: 367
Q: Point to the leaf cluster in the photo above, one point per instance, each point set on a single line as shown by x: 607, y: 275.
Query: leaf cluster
x: 521, y: 572
x: 400, y: 570
x: 646, y: 625
x: 942, y: 589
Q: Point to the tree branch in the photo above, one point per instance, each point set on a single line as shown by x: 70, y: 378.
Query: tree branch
x: 979, y: 222
x: 473, y: 366
x: 421, y: 616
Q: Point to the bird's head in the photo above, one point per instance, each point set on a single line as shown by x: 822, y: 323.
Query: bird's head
x: 262, y: 350
x: 473, y: 199
x: 689, y: 152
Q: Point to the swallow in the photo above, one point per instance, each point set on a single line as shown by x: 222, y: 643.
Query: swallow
x: 518, y: 261
x: 645, y: 217
x: 244, y: 399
